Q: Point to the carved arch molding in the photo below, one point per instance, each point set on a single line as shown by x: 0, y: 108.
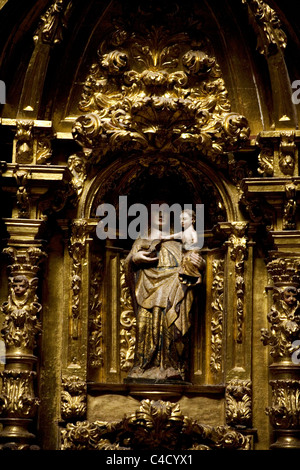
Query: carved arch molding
x: 154, y: 120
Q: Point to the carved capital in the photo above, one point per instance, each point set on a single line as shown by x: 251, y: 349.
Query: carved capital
x: 284, y: 411
x: 25, y: 261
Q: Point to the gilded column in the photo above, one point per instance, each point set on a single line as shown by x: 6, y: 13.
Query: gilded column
x: 282, y: 338
x: 21, y: 327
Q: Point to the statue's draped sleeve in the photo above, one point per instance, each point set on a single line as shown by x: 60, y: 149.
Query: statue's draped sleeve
x: 159, y: 286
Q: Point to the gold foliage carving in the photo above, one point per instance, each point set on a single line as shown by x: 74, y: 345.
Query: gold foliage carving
x: 77, y: 250
x: 285, y: 409
x: 273, y: 38
x: 73, y: 398
x: 155, y: 425
x: 17, y: 397
x: 239, y: 253
x: 266, y: 162
x: 284, y: 315
x: 217, y: 316
x: 53, y: 23
x: 95, y: 315
x: 239, y: 403
x: 285, y: 271
x: 128, y: 323
x: 153, y: 89
x: 284, y: 322
x: 21, y: 323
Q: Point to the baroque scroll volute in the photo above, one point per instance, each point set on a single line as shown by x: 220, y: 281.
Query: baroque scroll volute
x: 156, y: 89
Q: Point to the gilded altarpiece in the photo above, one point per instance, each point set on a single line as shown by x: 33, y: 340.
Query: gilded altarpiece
x: 151, y: 117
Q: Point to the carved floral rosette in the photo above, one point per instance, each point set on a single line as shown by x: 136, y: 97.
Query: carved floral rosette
x: 156, y: 425
x: 152, y: 89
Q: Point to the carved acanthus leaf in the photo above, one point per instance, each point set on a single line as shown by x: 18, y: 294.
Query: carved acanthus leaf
x: 217, y: 316
x: 156, y: 91
x: 128, y: 323
x: 53, y: 23
x: 155, y: 425
x: 73, y: 398
x: 270, y: 36
x: 17, y: 397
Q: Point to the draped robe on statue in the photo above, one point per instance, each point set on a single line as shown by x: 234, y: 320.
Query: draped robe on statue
x: 162, y: 304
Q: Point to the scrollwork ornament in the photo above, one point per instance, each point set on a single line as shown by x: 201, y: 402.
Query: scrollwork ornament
x: 290, y: 207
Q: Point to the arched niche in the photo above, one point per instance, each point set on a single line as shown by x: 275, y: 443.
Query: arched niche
x: 111, y: 320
